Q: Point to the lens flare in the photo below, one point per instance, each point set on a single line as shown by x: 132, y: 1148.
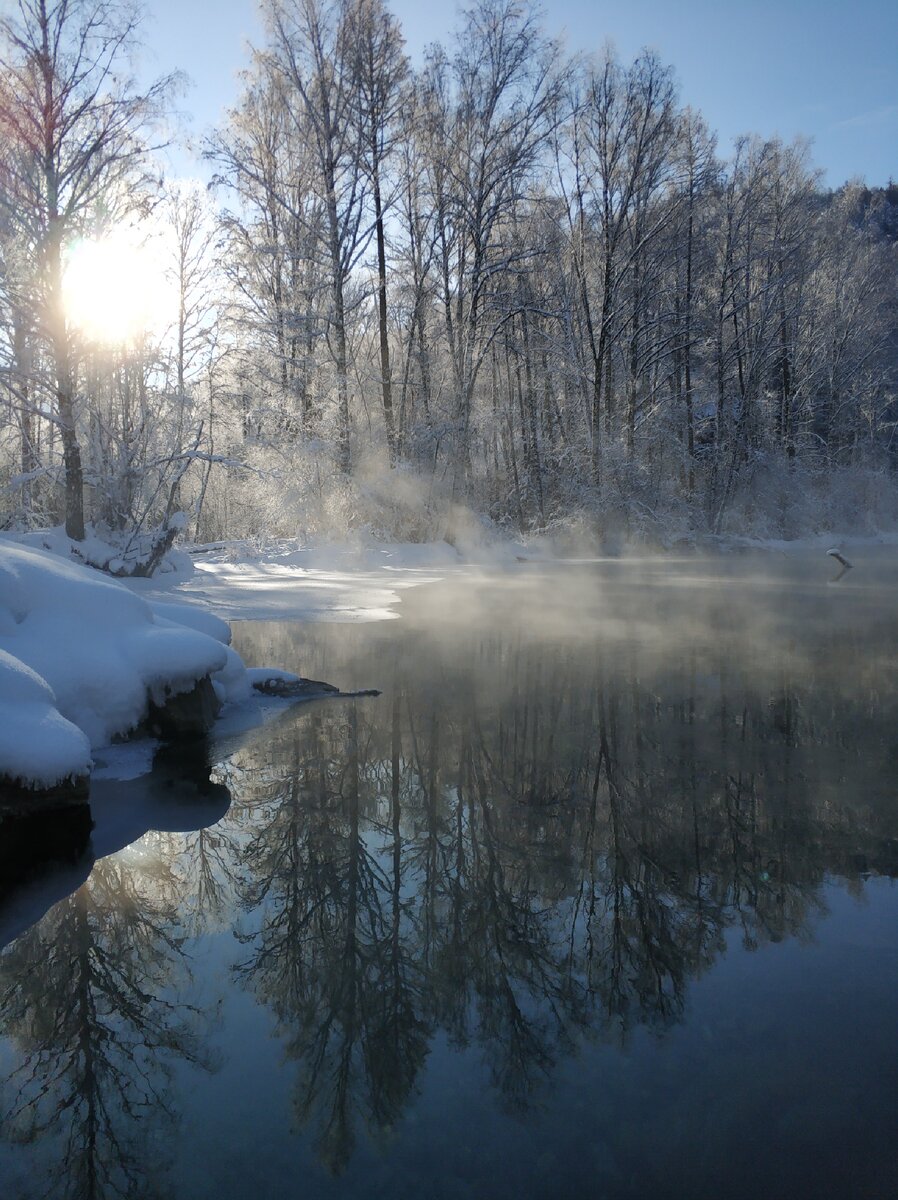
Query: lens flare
x: 115, y: 288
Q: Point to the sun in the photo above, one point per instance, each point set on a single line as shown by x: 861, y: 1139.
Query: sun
x: 115, y: 288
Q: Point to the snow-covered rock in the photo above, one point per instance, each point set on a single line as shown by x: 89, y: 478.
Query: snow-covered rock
x: 83, y: 657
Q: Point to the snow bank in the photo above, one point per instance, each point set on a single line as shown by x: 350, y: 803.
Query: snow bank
x: 38, y: 746
x: 194, y: 618
x: 83, y: 654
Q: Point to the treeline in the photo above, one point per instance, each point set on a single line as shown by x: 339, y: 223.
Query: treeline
x: 508, y: 282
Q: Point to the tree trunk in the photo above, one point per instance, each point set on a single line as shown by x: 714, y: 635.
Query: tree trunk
x: 65, y: 400
x: 59, y: 334
x: 386, y: 382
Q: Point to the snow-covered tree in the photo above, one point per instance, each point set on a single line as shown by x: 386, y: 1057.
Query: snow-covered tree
x: 72, y: 125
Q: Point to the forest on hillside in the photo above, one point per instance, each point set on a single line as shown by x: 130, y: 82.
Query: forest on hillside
x: 509, y: 290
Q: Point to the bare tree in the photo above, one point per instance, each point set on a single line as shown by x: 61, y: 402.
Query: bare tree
x: 75, y: 126
x: 489, y: 131
x: 312, y: 49
x: 381, y: 69
x: 616, y: 148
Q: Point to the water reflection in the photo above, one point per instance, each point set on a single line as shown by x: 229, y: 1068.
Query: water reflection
x: 564, y: 808
x: 528, y: 841
x: 88, y: 1000
x: 92, y: 995
x: 331, y: 956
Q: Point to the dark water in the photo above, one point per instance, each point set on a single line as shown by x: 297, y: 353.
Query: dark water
x: 596, y: 900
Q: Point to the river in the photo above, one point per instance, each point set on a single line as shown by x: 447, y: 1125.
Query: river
x: 595, y: 899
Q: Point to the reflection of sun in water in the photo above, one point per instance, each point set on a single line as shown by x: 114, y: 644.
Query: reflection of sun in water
x: 115, y: 288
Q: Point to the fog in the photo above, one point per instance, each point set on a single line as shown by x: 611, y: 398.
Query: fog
x: 759, y: 609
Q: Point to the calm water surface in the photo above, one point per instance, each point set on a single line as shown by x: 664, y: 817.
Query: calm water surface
x: 595, y: 900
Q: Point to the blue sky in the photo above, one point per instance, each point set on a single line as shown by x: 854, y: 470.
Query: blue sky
x: 824, y: 68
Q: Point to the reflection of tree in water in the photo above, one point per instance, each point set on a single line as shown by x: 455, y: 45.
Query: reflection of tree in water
x: 537, y: 845
x: 86, y: 996
x: 203, y: 863
x: 330, y: 958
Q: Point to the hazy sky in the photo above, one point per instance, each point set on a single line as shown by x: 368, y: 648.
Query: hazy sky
x: 824, y: 68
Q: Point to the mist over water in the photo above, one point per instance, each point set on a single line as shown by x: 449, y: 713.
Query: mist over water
x: 595, y: 899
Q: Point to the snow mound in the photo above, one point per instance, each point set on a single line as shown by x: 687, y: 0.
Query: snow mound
x: 194, y: 618
x: 38, y: 746
x: 85, y: 651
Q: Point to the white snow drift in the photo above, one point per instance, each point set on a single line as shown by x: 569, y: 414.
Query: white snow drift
x: 81, y: 656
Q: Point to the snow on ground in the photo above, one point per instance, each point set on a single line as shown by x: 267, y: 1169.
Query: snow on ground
x: 328, y: 583
x: 80, y: 656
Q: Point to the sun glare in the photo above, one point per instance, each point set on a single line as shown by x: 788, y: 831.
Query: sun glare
x: 116, y: 288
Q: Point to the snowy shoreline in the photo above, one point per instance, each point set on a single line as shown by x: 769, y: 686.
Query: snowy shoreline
x: 84, y: 661
x: 87, y: 661
x: 84, y: 657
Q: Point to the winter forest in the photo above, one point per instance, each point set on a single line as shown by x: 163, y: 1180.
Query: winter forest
x: 512, y: 290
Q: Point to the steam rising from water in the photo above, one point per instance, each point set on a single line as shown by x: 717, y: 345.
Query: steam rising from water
x: 760, y: 609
